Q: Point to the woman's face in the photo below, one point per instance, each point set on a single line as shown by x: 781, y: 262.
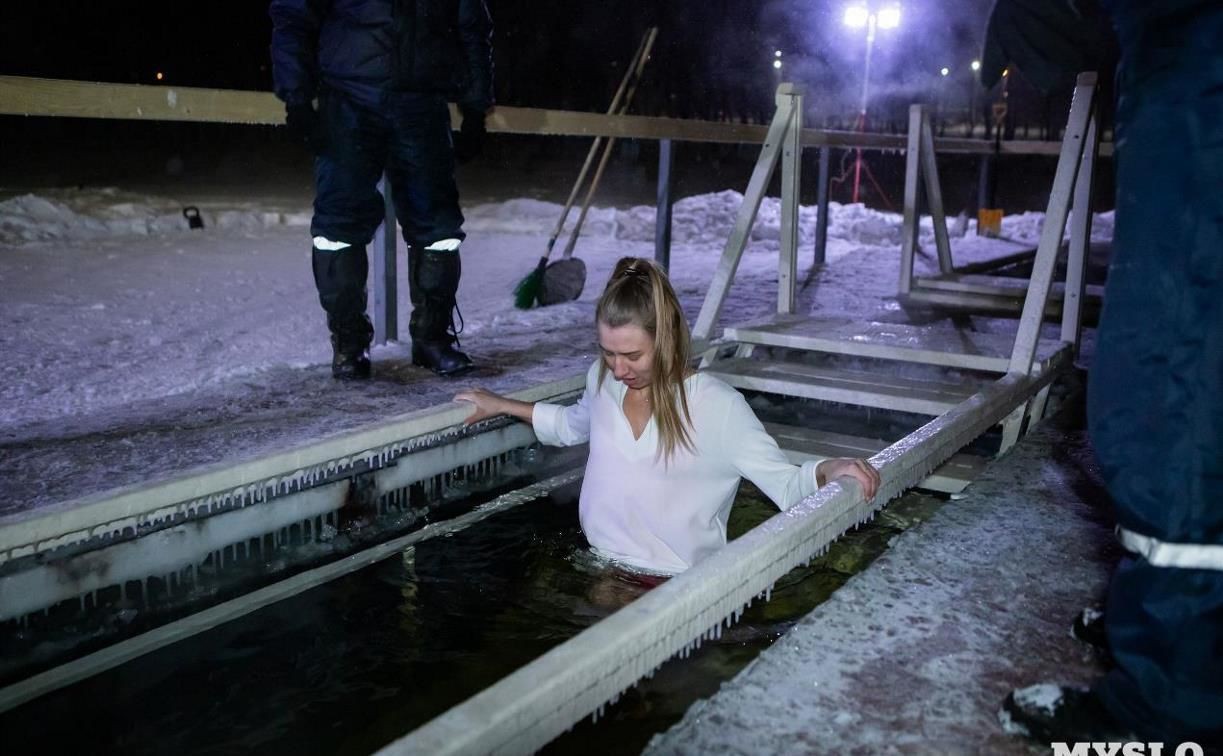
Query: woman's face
x: 629, y: 353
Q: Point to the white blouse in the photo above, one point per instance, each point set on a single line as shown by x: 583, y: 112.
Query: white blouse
x: 666, y: 518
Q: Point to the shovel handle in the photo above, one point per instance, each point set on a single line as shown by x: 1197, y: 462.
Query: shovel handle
x: 639, y: 56
x: 611, y: 142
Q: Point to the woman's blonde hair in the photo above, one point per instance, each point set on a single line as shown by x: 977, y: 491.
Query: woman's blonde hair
x: 639, y: 294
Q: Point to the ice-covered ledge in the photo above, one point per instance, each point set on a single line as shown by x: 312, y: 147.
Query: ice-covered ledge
x: 918, y: 651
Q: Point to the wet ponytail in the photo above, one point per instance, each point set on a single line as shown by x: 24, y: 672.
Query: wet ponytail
x: 639, y: 294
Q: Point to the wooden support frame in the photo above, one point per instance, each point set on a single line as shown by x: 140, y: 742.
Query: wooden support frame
x: 783, y: 136
x: 921, y: 172
x: 934, y: 193
x: 1064, y: 181
x: 791, y: 179
x: 1074, y: 175
x: 1080, y: 237
x: 1074, y: 178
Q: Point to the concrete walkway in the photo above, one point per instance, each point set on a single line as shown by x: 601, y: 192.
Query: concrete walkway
x: 915, y: 654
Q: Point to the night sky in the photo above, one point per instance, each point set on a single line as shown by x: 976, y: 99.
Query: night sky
x: 713, y: 57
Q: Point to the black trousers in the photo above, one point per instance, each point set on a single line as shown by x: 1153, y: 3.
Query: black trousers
x: 1156, y: 386
x: 408, y: 139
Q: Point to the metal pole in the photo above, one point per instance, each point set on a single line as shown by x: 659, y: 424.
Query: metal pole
x: 791, y: 178
x: 984, y: 179
x: 866, y: 80
x: 821, y: 201
x: 662, y: 224
x: 385, y: 248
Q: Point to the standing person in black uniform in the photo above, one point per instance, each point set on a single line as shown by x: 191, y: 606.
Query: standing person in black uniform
x: 1155, y: 394
x: 382, y: 72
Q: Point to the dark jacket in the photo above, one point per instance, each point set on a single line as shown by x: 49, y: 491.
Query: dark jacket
x: 367, y: 48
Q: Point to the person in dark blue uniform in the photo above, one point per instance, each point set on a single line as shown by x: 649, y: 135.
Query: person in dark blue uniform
x: 382, y: 73
x: 1155, y: 393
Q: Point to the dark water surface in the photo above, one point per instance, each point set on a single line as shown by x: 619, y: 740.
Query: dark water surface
x: 349, y: 666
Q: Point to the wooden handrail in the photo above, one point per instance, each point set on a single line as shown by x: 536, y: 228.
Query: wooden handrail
x: 21, y: 95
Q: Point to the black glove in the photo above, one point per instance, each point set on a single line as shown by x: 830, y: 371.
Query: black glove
x: 306, y: 126
x: 469, y: 143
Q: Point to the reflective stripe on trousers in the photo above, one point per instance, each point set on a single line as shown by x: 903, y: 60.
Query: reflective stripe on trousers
x: 1187, y: 556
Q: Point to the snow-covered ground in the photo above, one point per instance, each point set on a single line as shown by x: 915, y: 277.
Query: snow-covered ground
x: 137, y: 348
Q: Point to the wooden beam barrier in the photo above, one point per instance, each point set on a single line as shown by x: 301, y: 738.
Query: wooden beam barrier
x: 26, y: 96
x: 137, y: 507
x: 20, y: 95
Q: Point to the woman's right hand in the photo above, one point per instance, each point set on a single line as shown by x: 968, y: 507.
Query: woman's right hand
x: 849, y: 467
x: 487, y: 404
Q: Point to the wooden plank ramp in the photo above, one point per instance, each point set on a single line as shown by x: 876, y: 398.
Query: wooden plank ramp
x: 858, y: 387
x: 929, y: 345
x: 807, y: 444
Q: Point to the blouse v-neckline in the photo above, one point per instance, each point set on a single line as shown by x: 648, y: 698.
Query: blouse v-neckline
x: 629, y: 423
x: 645, y: 429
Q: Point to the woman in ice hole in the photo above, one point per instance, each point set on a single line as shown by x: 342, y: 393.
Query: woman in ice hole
x: 668, y: 445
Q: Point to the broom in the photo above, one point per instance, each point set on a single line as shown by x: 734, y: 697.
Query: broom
x: 527, y: 291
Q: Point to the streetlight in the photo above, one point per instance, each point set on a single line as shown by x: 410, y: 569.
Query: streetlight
x: 857, y: 16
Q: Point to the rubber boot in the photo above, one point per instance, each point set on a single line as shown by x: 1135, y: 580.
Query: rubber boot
x: 433, y: 278
x: 340, y: 279
x: 1088, y: 628
x: 1051, y: 713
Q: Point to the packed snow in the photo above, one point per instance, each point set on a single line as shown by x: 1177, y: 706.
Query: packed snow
x: 138, y: 348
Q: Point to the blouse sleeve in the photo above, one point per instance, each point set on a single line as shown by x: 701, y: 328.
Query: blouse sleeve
x: 566, y: 425
x: 755, y: 455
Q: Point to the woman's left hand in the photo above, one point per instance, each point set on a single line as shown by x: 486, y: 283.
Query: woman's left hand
x: 858, y: 469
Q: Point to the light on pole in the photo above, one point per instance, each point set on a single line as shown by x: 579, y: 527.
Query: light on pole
x: 972, y: 98
x: 862, y: 16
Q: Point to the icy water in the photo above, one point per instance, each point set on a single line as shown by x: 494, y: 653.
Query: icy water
x: 351, y: 665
